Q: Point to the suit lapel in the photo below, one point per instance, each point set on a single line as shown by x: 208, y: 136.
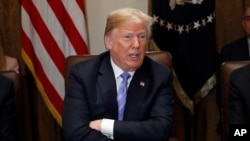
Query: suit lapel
x: 107, y: 85
x: 136, y: 91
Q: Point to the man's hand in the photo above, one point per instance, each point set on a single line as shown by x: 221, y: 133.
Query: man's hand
x: 96, y: 124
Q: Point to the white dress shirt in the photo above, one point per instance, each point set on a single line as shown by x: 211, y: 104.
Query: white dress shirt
x: 107, y: 125
x: 248, y: 42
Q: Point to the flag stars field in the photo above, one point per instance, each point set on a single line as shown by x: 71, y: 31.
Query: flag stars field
x: 184, y: 28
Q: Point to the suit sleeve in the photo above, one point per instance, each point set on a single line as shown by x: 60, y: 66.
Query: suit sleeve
x: 238, y: 118
x: 75, y: 117
x: 236, y: 109
x: 8, y: 128
x: 158, y: 126
x: 225, y: 54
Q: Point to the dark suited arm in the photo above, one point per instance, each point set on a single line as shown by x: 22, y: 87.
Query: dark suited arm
x: 237, y: 114
x: 225, y: 55
x: 157, y: 127
x: 76, y: 113
x: 236, y: 108
x: 8, y: 125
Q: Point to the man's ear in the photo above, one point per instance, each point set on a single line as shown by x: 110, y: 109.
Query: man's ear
x: 108, y: 41
x: 243, y: 24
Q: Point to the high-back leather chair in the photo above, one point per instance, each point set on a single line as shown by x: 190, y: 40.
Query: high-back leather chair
x: 226, y: 69
x: 161, y: 57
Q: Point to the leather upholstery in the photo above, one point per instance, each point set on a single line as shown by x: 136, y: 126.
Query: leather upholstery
x: 161, y: 57
x: 226, y: 69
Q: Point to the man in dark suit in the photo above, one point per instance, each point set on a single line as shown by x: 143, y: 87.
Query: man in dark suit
x: 239, y: 101
x: 238, y: 50
x: 90, y: 111
x: 8, y: 123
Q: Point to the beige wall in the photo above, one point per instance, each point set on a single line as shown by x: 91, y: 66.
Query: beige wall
x: 97, y: 11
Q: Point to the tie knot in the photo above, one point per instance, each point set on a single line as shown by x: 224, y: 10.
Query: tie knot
x: 125, y: 75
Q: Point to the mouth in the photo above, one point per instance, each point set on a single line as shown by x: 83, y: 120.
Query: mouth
x: 134, y: 55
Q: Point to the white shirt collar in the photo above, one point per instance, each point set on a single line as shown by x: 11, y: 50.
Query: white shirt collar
x: 118, y: 71
x: 248, y: 41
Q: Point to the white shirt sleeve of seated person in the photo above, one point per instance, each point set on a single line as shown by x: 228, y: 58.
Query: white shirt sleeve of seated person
x: 107, y: 127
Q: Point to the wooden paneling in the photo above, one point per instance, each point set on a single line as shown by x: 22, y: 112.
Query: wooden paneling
x: 228, y: 21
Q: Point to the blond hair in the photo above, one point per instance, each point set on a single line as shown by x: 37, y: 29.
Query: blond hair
x: 127, y: 15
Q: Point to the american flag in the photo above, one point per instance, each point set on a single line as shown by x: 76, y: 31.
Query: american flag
x: 51, y: 31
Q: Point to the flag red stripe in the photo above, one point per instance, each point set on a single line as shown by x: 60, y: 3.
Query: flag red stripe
x: 47, y: 39
x: 47, y: 71
x: 81, y: 6
x: 48, y: 87
x: 68, y: 26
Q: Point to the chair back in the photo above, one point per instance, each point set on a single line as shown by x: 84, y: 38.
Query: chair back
x: 226, y: 69
x: 161, y: 57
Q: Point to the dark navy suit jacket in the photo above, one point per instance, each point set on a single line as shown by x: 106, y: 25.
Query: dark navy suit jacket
x: 91, y: 95
x: 239, y: 103
x: 8, y: 119
x: 239, y: 96
x: 235, y: 51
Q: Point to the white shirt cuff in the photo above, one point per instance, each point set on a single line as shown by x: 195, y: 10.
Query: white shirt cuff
x: 107, y: 127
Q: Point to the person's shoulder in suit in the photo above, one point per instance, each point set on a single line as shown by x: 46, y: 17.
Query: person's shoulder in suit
x: 241, y: 73
x: 93, y: 61
x: 6, y: 84
x: 155, y: 66
x: 239, y: 104
x: 4, y: 79
x: 90, y: 67
x: 8, y: 125
x: 235, y: 44
x: 156, y: 71
x: 235, y: 51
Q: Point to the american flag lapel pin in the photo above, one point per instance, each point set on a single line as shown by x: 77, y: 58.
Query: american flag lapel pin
x: 142, y: 83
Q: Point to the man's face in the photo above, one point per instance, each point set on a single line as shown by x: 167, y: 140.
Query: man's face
x: 127, y: 44
x: 246, y: 22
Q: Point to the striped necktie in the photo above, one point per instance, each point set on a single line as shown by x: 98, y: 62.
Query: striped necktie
x: 122, y: 95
